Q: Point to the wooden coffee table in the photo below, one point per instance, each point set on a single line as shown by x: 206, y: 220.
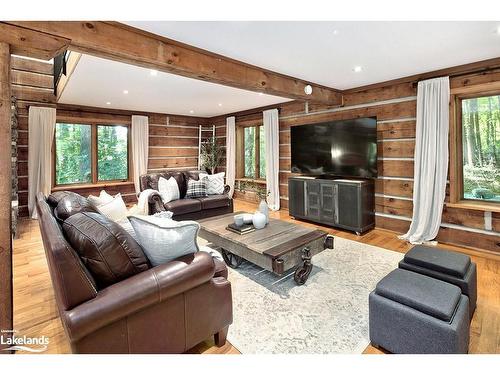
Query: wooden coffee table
x: 278, y: 247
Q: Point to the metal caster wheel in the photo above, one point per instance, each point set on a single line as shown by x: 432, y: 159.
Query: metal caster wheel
x: 232, y: 260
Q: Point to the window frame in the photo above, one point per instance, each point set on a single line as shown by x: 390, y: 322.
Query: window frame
x: 240, y: 152
x: 456, y: 150
x: 93, y: 152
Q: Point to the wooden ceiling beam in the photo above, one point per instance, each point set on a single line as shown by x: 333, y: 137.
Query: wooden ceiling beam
x: 119, y: 42
x: 29, y: 43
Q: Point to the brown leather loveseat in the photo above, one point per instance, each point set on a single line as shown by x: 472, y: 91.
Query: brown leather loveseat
x: 164, y: 309
x: 186, y: 208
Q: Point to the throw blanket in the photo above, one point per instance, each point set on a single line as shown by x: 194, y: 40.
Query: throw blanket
x: 142, y: 204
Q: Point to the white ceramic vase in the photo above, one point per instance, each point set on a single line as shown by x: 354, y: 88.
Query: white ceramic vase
x: 259, y: 220
x: 264, y: 208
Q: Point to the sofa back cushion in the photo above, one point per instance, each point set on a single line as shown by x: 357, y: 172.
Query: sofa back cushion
x: 73, y: 283
x: 69, y: 204
x: 106, y: 249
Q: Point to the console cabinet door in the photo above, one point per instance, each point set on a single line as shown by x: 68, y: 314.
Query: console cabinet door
x: 296, y: 197
x: 347, y: 208
x: 313, y: 200
x: 327, y: 207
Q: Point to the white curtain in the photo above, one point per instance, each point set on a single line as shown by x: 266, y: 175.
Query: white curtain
x: 41, y: 127
x: 271, y: 131
x: 230, y: 152
x: 431, y: 159
x: 140, y: 148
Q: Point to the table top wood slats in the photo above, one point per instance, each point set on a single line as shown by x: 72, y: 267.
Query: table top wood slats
x: 277, y: 238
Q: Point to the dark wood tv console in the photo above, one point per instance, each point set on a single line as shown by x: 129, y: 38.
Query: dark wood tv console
x: 343, y: 203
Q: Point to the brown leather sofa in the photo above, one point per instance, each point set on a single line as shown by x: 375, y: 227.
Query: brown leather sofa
x: 186, y: 208
x: 166, y: 309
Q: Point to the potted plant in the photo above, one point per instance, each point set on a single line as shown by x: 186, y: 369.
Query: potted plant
x: 211, y: 154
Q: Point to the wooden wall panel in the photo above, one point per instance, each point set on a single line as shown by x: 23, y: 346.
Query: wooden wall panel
x: 396, y: 129
x: 396, y: 149
x: 400, y: 188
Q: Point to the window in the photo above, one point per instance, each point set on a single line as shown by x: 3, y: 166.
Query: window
x: 253, y: 149
x: 112, y: 153
x: 90, y: 153
x: 479, y: 153
x: 73, y: 154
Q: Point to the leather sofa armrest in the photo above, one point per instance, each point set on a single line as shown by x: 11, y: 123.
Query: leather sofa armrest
x: 155, y: 203
x: 227, y: 189
x: 138, y: 292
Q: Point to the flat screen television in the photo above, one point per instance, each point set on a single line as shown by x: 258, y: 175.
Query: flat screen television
x: 346, y: 148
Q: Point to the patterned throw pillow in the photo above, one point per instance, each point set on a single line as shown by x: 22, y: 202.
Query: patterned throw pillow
x: 215, y: 184
x: 197, y: 189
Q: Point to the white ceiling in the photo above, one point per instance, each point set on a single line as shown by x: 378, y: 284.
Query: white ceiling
x: 96, y: 81
x: 320, y: 52
x: 313, y: 51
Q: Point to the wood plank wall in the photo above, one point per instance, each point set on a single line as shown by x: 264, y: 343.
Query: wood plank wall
x: 173, y: 138
x: 395, y: 109
x: 32, y: 84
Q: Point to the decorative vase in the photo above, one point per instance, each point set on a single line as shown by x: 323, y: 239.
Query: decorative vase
x: 259, y: 220
x: 264, y: 208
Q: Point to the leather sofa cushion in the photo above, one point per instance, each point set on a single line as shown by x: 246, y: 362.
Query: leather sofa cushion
x: 214, y: 201
x: 54, y: 198
x: 183, y: 206
x: 106, y: 249
x: 70, y: 204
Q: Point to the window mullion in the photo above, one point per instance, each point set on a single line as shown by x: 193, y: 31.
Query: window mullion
x: 257, y: 152
x: 94, y: 153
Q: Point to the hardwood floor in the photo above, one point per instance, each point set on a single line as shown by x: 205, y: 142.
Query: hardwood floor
x: 35, y: 312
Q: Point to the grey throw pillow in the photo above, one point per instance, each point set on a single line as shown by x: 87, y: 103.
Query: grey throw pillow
x: 165, y: 239
x: 197, y: 189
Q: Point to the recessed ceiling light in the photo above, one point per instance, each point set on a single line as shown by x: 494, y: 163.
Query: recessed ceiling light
x: 220, y: 104
x: 153, y: 72
x: 191, y: 111
x: 335, y: 32
x: 125, y: 92
x: 498, y: 30
x: 108, y: 103
x: 357, y: 69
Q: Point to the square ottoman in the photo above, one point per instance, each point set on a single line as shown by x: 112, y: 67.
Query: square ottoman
x: 411, y: 313
x: 449, y: 266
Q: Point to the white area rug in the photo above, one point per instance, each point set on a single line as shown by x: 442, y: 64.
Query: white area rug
x: 329, y: 314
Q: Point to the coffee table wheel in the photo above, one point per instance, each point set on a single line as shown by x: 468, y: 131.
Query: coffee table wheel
x: 232, y: 260
x: 302, y: 272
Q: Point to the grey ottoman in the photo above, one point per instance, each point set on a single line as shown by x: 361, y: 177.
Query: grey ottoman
x: 413, y: 313
x: 449, y: 266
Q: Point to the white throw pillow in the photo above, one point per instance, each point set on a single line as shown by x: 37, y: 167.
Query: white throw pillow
x: 168, y: 189
x: 164, y: 239
x: 115, y: 209
x: 101, y: 199
x: 215, y: 184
